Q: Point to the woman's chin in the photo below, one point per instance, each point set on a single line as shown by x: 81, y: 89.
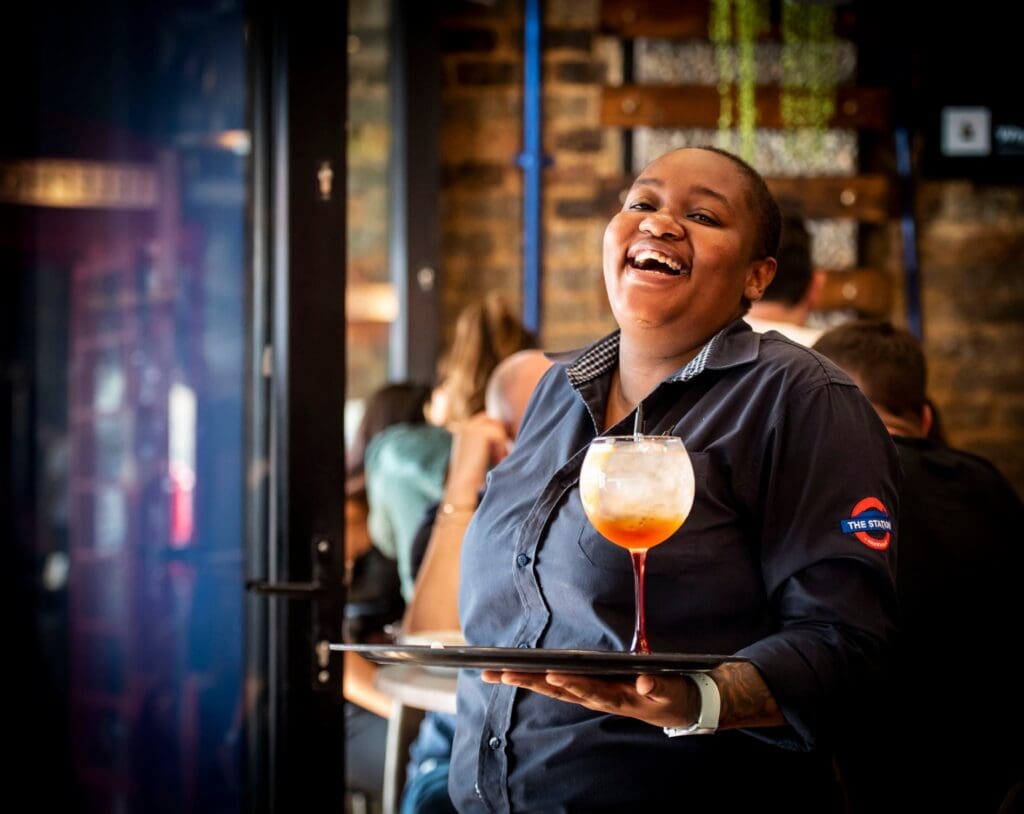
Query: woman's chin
x: 641, y: 311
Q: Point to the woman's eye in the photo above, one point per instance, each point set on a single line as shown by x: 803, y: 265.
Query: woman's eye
x: 701, y: 217
x: 640, y: 206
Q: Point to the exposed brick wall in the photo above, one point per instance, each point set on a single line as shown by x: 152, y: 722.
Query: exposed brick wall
x: 482, y: 136
x: 972, y: 267
x: 367, y: 211
x: 971, y: 237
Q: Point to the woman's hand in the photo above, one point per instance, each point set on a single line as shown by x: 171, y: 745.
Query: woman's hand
x: 479, y: 443
x: 657, y: 700
x: 661, y: 700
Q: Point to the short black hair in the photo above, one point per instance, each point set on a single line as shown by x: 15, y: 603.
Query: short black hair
x: 795, y: 269
x: 888, y: 361
x: 767, y: 214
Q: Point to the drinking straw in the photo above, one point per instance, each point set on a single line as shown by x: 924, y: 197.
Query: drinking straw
x: 638, y: 422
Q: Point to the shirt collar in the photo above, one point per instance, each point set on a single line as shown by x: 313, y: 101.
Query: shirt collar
x: 735, y: 344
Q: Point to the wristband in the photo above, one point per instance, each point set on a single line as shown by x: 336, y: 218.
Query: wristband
x: 448, y: 509
x: 710, y: 708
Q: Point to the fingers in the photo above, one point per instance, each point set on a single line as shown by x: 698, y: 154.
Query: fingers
x: 594, y: 693
x: 658, y: 700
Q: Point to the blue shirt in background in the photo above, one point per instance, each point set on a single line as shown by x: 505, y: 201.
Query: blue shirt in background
x: 406, y: 465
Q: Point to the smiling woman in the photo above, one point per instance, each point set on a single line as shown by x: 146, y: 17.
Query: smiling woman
x: 769, y: 573
x: 689, y: 256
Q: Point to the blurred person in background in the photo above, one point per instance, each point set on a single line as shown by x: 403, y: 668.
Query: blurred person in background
x: 406, y: 464
x: 796, y: 290
x: 479, y: 444
x: 948, y: 735
x: 399, y: 475
x: 373, y: 594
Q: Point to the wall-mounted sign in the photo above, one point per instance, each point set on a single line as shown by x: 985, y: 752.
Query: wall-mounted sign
x: 983, y: 142
x: 78, y: 184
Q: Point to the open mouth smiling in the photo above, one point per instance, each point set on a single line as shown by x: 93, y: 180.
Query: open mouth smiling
x: 655, y: 261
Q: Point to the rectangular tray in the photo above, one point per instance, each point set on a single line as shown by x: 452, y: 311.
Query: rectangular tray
x: 538, y: 660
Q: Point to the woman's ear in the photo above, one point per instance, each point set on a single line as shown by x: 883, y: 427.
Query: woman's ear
x: 760, y: 273
x: 927, y: 419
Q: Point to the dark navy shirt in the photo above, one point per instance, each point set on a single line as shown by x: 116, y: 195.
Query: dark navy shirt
x: 776, y: 563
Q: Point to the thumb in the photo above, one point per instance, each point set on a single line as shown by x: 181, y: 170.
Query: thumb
x: 653, y: 688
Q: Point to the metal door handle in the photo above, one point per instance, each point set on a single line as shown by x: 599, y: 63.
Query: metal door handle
x: 290, y: 590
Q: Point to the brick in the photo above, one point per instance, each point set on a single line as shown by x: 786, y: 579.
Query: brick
x: 488, y: 73
x: 470, y: 108
x: 575, y: 208
x: 368, y: 14
x: 473, y: 40
x: 367, y: 39
x: 587, y: 140
x: 575, y: 280
x: 496, y: 141
x: 575, y: 240
x: 572, y: 39
x: 562, y: 107
x: 368, y: 107
x: 368, y: 144
x: 368, y: 71
x: 573, y: 13
x: 484, y: 205
x: 581, y: 73
x: 490, y: 10
x: 468, y: 243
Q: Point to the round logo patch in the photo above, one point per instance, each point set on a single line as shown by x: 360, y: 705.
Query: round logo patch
x: 870, y: 523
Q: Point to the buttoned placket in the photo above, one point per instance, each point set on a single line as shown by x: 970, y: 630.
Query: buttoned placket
x: 493, y: 765
x: 592, y: 388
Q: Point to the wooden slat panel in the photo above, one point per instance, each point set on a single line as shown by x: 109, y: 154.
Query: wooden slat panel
x: 698, y: 106
x: 665, y: 19
x: 865, y: 198
x: 868, y: 291
x: 681, y: 19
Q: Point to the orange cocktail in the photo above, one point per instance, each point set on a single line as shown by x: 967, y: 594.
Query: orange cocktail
x: 637, y: 533
x: 637, y: 491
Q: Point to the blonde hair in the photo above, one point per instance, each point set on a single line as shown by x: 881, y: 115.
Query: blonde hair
x: 486, y: 332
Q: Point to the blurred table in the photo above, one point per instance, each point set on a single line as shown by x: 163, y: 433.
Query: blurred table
x: 414, y: 690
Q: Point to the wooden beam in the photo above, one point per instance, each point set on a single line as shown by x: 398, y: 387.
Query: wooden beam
x: 665, y: 19
x: 698, y: 106
x: 865, y: 198
x: 864, y: 290
x: 681, y: 19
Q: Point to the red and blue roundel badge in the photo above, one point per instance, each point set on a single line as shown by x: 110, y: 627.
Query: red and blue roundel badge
x: 869, y: 523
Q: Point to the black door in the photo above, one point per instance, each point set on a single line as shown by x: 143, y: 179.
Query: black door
x: 171, y: 387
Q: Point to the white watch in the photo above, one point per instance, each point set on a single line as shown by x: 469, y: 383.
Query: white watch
x: 710, y: 707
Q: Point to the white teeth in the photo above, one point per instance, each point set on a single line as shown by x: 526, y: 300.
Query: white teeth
x: 647, y: 254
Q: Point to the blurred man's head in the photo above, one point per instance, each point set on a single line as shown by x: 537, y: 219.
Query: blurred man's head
x: 796, y: 289
x: 511, y: 385
x: 888, y: 365
x: 796, y: 271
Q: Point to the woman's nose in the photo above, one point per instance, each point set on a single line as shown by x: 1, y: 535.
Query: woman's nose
x: 661, y: 224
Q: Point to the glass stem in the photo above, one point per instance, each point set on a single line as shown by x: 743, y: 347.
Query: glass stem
x: 640, y: 626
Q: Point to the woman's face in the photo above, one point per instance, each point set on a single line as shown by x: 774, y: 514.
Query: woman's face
x: 678, y: 255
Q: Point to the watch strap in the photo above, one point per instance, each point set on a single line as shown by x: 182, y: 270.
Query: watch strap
x: 710, y: 708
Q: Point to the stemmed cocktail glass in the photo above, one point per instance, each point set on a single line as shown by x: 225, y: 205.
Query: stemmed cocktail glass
x: 637, y: 490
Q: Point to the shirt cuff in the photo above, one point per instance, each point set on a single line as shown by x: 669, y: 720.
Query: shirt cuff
x: 795, y: 687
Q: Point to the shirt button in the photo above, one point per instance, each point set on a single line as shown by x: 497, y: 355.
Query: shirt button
x: 494, y: 742
x: 522, y: 560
